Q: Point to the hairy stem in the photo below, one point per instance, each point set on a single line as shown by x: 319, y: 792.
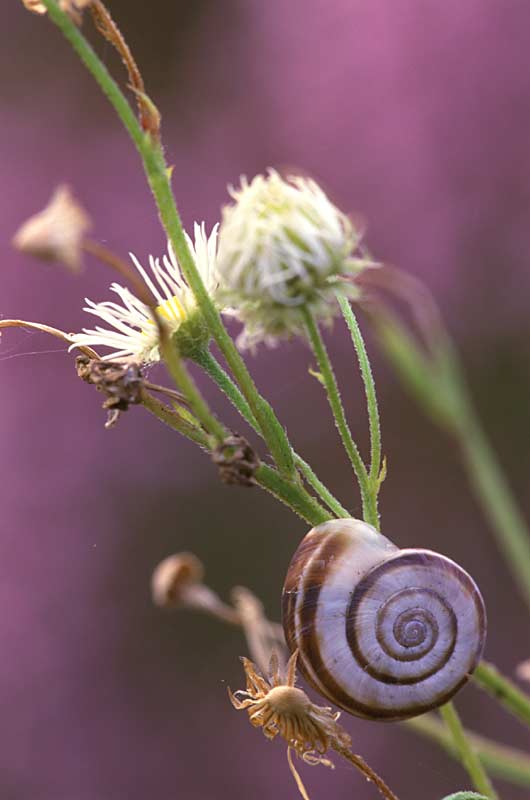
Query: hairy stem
x: 467, y: 752
x: 157, y: 174
x: 186, y: 384
x: 172, y: 418
x: 369, y: 388
x: 213, y: 368
x: 368, y: 496
x: 488, y: 677
x: 366, y: 770
x: 291, y: 493
x: 323, y: 492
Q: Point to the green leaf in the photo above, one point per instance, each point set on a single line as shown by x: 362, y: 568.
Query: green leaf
x: 465, y: 796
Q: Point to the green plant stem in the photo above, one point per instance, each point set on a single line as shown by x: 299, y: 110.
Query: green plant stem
x: 213, y: 368
x: 501, y: 761
x: 323, y: 492
x: 173, y: 419
x: 488, y: 677
x: 368, y: 496
x: 292, y: 494
x: 157, y: 174
x: 466, y: 750
x: 186, y: 384
x: 369, y: 388
x: 289, y: 492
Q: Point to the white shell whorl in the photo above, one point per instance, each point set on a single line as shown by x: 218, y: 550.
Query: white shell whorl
x: 383, y: 633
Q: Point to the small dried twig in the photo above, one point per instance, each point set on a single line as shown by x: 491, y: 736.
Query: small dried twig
x: 149, y: 115
x: 38, y: 326
x: 123, y: 268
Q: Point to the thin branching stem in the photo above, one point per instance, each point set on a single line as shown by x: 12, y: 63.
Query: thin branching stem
x: 158, y: 174
x: 171, y: 417
x: 207, y: 361
x: 183, y: 380
x: 291, y: 493
x: 369, y: 387
x: 368, y: 496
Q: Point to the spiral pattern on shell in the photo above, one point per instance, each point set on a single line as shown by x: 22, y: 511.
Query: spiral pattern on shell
x: 383, y: 633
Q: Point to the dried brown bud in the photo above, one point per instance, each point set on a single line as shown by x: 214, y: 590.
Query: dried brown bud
x: 57, y: 232
x: 236, y: 460
x: 173, y: 577
x: 121, y: 383
x: 74, y: 8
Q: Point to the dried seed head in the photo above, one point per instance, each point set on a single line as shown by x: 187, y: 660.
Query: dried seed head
x: 173, y: 577
x: 74, y: 8
x: 277, y: 706
x: 56, y: 233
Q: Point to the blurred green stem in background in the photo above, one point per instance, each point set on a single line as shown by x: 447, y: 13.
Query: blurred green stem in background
x: 488, y: 677
x: 503, y: 762
x: 467, y: 751
x: 436, y: 381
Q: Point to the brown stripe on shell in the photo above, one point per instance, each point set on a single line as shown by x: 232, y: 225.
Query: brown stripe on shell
x: 292, y: 584
x: 312, y: 579
x: 403, y: 559
x: 351, y: 636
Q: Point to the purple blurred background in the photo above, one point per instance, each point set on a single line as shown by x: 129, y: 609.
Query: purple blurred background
x: 415, y: 116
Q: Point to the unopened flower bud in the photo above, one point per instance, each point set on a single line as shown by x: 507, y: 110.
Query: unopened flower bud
x: 56, y: 233
x: 173, y: 578
x: 177, y: 583
x: 283, y: 245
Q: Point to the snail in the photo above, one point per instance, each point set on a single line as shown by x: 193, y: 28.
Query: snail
x: 383, y: 633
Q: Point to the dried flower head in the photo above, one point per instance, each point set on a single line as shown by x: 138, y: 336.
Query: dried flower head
x: 134, y: 335
x: 284, y: 245
x: 56, y: 233
x: 277, y: 706
x: 74, y: 8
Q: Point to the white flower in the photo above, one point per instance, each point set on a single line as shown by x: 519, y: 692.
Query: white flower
x: 283, y: 245
x: 133, y: 334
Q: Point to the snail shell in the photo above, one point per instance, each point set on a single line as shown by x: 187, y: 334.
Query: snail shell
x: 383, y: 633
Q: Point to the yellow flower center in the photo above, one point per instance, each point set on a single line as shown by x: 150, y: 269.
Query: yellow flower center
x: 171, y: 310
